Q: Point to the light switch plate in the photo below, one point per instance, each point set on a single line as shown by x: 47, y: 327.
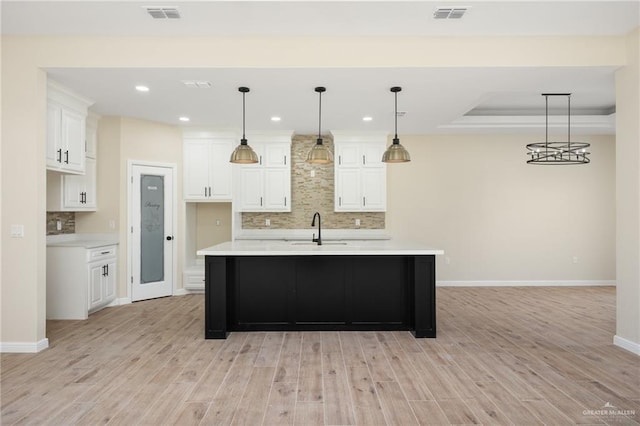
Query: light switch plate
x: 17, y: 231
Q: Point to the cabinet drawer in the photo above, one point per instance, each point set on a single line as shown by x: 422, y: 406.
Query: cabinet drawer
x: 100, y: 253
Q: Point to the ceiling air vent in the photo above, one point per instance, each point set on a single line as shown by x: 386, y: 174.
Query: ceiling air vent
x: 449, y: 12
x: 163, y: 12
x: 197, y: 84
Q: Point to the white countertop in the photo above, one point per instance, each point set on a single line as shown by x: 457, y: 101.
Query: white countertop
x: 328, y: 247
x: 82, y: 240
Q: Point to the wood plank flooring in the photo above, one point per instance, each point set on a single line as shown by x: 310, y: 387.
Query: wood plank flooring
x: 519, y: 356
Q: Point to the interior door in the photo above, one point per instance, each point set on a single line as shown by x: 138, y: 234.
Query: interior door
x: 152, y: 232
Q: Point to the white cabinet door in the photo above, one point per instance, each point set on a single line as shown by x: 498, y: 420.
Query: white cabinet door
x: 348, y: 155
x: 73, y: 142
x: 196, y: 164
x: 109, y: 282
x: 54, y: 148
x: 277, y: 183
x: 91, y: 138
x: 371, y: 154
x: 251, y: 189
x: 79, y: 191
x: 347, y: 187
x: 95, y: 285
x: 374, y: 189
x: 276, y: 155
x: 220, y: 169
x: 206, y: 169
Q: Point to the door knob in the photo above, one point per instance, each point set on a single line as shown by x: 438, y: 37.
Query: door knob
x: 169, y: 238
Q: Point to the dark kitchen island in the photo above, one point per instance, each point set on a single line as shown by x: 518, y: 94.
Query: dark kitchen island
x: 340, y: 285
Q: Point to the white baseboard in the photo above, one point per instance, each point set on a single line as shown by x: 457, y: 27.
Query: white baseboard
x: 627, y: 344
x: 180, y: 292
x: 120, y: 301
x: 24, y: 347
x: 549, y: 283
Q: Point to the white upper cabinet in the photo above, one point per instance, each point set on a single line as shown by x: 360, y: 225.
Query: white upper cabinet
x: 360, y: 175
x: 265, y: 186
x: 206, y: 168
x: 66, y: 129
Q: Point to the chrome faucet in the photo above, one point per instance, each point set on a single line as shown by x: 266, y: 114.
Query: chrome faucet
x: 313, y: 223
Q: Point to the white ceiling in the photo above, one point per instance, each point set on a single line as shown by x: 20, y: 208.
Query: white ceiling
x: 435, y: 99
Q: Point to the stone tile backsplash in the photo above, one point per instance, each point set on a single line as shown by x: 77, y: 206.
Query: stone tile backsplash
x: 67, y: 219
x: 312, y: 194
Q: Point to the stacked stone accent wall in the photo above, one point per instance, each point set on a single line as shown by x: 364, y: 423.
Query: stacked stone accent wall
x: 68, y: 220
x: 310, y: 195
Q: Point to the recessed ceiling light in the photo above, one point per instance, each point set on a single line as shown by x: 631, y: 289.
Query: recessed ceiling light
x: 274, y: 118
x: 142, y: 88
x: 367, y: 118
x: 184, y: 119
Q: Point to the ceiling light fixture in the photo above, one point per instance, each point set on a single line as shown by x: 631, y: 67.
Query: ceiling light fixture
x: 558, y: 152
x: 185, y: 119
x: 243, y: 154
x: 142, y: 88
x: 367, y: 118
x: 275, y: 118
x: 320, y: 154
x: 396, y: 153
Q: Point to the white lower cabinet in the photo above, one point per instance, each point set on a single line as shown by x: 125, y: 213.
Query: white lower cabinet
x: 102, y: 284
x: 80, y: 280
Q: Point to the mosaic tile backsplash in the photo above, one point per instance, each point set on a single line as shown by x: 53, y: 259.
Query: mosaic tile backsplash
x: 310, y: 195
x: 67, y: 220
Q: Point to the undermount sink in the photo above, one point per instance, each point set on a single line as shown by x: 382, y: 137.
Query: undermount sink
x: 325, y: 243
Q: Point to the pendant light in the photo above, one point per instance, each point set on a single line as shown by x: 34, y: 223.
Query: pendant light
x: 243, y: 154
x: 558, y: 152
x: 396, y: 153
x: 320, y: 154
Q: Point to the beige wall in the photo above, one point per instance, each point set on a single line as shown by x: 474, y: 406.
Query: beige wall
x: 121, y: 140
x: 628, y: 194
x: 500, y: 219
x: 24, y: 97
x: 208, y: 233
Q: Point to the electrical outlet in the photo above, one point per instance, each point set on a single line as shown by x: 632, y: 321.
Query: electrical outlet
x: 313, y: 173
x: 267, y: 222
x: 217, y: 222
x: 575, y: 259
x: 357, y: 222
x: 112, y: 224
x: 447, y: 260
x: 59, y: 225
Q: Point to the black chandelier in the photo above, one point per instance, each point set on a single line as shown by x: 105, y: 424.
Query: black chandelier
x: 558, y: 152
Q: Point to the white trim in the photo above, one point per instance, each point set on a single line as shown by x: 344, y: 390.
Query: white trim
x: 120, y: 301
x: 626, y: 344
x: 180, y: 292
x: 24, y: 347
x: 527, y: 283
x: 174, y: 178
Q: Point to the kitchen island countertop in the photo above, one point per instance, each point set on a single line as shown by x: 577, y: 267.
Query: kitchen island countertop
x: 328, y: 248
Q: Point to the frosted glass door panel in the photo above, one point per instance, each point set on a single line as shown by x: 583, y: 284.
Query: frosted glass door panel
x: 151, y: 229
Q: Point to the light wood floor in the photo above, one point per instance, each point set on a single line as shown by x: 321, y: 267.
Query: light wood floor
x: 503, y: 356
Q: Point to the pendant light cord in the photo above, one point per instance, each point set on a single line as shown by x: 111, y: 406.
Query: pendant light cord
x: 319, y: 114
x: 396, y: 114
x: 244, y: 139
